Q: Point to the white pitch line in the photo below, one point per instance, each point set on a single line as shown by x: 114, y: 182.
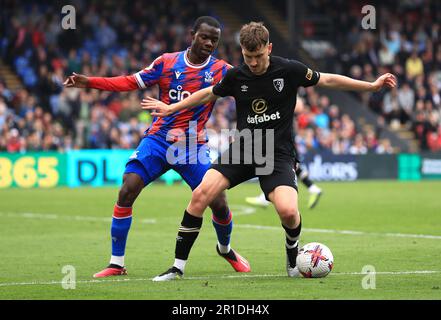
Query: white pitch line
x: 50, y: 216
x: 61, y: 282
x: 240, y: 210
x: 345, y: 232
x: 30, y: 215
x: 214, y: 277
x: 331, y: 274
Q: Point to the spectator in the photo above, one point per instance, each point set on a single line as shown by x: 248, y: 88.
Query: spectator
x: 359, y: 146
x: 386, y: 57
x: 406, y: 101
x: 414, y: 66
x: 384, y: 147
x: 13, y: 141
x: 391, y: 106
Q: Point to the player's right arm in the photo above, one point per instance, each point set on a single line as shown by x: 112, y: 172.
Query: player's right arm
x: 140, y: 80
x: 161, y: 109
x: 121, y: 83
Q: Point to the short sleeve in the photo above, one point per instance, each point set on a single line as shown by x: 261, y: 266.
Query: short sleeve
x: 150, y: 75
x: 224, y: 88
x: 302, y: 75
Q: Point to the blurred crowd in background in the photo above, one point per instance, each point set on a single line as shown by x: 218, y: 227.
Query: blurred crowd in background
x: 407, y: 42
x: 119, y: 38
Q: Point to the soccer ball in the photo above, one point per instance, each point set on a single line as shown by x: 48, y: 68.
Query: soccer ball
x: 315, y: 260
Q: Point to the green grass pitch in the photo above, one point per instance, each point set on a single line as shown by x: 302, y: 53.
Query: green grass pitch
x: 395, y: 227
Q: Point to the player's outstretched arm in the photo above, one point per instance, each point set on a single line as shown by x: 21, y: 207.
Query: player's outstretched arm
x: 121, y: 83
x: 76, y: 81
x: 335, y: 81
x: 161, y: 109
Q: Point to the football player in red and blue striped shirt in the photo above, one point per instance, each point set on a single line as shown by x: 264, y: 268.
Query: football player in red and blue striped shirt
x: 175, y: 142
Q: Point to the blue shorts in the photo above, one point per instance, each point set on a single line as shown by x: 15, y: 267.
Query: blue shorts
x: 154, y: 156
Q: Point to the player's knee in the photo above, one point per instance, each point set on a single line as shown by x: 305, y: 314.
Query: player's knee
x: 288, y: 213
x: 219, y: 204
x: 199, y: 198
x: 128, y: 194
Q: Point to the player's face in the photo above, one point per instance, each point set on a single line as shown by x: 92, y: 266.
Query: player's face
x: 205, y: 40
x: 257, y: 61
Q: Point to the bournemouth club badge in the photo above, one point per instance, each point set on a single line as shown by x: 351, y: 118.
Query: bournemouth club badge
x: 278, y: 84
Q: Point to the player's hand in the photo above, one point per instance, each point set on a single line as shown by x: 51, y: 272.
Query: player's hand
x: 76, y: 81
x: 157, y: 108
x: 387, y: 80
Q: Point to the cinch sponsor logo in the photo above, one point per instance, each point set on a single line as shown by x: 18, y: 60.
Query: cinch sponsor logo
x: 263, y: 118
x: 178, y: 94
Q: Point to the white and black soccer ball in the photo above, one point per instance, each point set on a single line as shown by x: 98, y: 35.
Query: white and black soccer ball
x: 315, y: 260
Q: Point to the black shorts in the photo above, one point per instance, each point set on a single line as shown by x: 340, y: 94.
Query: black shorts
x: 283, y: 174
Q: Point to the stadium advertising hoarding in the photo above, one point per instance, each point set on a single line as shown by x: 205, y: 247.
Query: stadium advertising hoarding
x: 39, y: 169
x: 96, y: 168
x: 330, y: 167
x: 105, y: 167
x: 419, y: 166
x: 431, y: 166
x: 377, y: 166
x: 99, y: 168
x: 409, y: 167
x: 77, y: 168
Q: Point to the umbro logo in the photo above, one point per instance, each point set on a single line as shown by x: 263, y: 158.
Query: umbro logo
x: 244, y: 88
x: 178, y: 74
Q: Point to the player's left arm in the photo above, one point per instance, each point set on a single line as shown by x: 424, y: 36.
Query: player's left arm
x: 201, y: 97
x: 161, y: 109
x: 339, y: 82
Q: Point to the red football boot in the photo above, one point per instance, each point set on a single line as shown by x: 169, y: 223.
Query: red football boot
x: 238, y: 263
x: 110, y: 271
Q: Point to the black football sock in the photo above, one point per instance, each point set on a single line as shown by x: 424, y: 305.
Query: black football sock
x: 188, y: 232
x: 307, y: 182
x: 303, y: 176
x: 292, y: 243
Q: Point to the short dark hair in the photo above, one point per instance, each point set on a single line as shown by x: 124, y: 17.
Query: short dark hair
x: 205, y: 19
x: 253, y: 35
